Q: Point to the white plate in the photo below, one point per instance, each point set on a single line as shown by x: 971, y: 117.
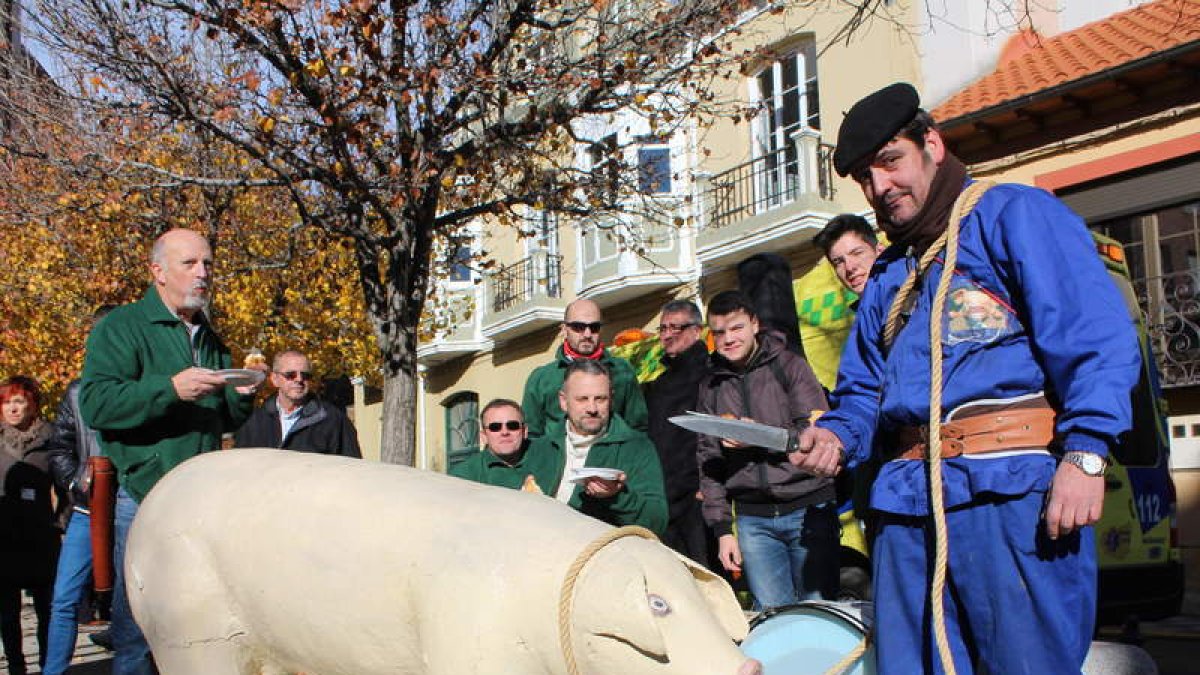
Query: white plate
x: 580, y: 475
x: 241, y: 377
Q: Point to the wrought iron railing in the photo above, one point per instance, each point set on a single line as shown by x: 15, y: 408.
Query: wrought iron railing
x: 520, y: 282
x: 769, y: 182
x: 1172, y: 307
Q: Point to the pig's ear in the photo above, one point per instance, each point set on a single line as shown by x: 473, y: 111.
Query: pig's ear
x: 720, y: 599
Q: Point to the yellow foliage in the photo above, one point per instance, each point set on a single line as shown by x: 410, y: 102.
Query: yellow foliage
x: 70, y: 245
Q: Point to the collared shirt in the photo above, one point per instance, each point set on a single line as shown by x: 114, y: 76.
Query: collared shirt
x: 288, y: 419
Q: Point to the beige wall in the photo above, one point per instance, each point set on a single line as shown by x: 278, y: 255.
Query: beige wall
x: 877, y: 56
x: 1101, y: 145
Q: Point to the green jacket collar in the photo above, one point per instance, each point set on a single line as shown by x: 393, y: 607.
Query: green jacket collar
x: 155, y: 310
x: 492, y: 459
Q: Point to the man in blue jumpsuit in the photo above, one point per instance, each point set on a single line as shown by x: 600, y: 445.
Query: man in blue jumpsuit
x: 1039, y: 357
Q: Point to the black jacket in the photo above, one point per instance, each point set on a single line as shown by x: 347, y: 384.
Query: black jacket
x: 70, y: 447
x: 674, y: 393
x: 321, y: 428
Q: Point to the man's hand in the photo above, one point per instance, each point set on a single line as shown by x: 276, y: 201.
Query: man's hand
x: 600, y: 488
x: 1076, y: 499
x: 729, y: 553
x: 251, y: 389
x: 196, y: 383
x: 818, y: 452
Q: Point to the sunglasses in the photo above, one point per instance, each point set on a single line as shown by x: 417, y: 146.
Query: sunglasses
x: 581, y: 326
x: 674, y: 327
x: 293, y: 374
x: 511, y: 425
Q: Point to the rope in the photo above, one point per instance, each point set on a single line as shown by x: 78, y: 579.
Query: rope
x: 900, y: 303
x: 937, y: 586
x: 566, y: 597
x: 851, y: 658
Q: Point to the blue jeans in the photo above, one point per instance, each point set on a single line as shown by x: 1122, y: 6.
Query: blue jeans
x: 70, y: 583
x: 132, y: 652
x: 790, y: 557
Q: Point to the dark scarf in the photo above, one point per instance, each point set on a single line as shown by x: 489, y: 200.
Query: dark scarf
x: 17, y: 443
x: 930, y: 221
x: 20, y: 446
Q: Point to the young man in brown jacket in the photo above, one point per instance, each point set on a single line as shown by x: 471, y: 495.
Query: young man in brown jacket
x: 787, y: 536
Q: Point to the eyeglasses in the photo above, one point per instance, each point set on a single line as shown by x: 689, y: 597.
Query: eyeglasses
x: 293, y: 374
x: 511, y: 425
x: 674, y: 327
x: 581, y: 326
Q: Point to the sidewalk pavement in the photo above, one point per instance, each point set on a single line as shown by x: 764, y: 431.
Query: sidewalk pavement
x: 92, y: 660
x: 88, y: 660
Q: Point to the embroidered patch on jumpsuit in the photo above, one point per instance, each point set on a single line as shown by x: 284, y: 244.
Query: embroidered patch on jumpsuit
x: 974, y: 314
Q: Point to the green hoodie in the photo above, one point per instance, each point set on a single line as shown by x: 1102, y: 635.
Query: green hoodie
x: 540, y: 402
x: 644, y: 499
x: 128, y: 397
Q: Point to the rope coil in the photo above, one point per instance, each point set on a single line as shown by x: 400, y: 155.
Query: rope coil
x: 949, y: 240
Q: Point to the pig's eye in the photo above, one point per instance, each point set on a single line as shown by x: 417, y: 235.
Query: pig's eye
x: 658, y: 606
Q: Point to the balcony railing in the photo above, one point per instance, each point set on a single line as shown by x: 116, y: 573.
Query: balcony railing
x: 772, y: 181
x: 1172, y: 306
x: 520, y: 282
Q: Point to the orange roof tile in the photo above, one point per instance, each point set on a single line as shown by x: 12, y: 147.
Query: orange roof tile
x: 1090, y: 49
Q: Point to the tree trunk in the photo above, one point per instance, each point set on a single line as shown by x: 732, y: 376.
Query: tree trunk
x: 399, y: 433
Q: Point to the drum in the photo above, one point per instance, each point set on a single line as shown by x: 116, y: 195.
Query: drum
x: 811, y: 638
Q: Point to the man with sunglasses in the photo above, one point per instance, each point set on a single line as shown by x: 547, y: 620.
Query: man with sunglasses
x: 295, y: 419
x: 673, y: 393
x: 503, y: 461
x: 582, y: 322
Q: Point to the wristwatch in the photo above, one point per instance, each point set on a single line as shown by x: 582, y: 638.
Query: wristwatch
x: 1089, y: 463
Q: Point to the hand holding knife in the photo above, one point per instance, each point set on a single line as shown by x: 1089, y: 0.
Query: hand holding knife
x: 797, y: 446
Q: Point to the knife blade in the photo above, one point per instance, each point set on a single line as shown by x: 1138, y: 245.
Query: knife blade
x: 755, y: 434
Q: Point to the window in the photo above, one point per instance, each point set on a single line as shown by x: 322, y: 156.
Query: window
x: 1179, y: 431
x: 460, y: 267
x: 786, y: 95
x: 654, y: 169
x: 1161, y: 249
x: 462, y: 426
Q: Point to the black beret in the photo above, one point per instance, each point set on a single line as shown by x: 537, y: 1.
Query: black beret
x: 873, y: 122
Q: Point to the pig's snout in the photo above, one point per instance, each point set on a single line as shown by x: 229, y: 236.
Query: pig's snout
x: 750, y: 667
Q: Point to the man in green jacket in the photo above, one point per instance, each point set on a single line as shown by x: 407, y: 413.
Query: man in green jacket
x: 581, y: 326
x: 635, y: 497
x: 592, y: 437
x: 150, y: 389
x: 505, y: 460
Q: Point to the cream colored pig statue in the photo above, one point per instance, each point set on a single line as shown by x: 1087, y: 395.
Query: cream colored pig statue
x: 273, y: 561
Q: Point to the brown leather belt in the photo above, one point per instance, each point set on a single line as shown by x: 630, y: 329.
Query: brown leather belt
x: 983, y: 433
